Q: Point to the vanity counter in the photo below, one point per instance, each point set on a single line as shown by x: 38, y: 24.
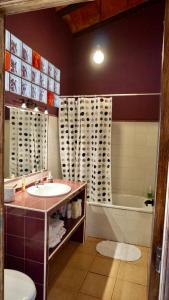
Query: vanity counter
x: 46, y: 204
x: 27, y: 227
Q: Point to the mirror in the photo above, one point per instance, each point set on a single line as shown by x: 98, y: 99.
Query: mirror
x: 26, y: 138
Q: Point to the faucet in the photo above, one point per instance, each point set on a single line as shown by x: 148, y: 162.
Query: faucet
x: 149, y: 201
x: 37, y: 182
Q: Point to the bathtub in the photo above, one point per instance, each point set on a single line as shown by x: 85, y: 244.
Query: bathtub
x: 128, y: 220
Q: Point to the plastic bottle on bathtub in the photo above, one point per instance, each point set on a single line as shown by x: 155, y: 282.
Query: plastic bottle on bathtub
x: 150, y: 193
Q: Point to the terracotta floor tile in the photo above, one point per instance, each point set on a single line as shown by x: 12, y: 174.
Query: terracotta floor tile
x: 81, y: 296
x: 88, y: 247
x: 70, y: 279
x: 105, y: 266
x: 133, y: 273
x: 125, y: 290
x: 61, y: 294
x: 98, y: 286
x: 94, y: 240
x: 81, y: 261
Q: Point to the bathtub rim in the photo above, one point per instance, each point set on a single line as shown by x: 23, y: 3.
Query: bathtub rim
x: 141, y: 210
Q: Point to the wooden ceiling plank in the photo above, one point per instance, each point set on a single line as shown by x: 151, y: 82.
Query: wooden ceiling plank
x: 20, y: 6
x: 68, y: 9
x: 120, y: 15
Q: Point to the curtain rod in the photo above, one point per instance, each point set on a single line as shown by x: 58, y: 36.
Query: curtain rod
x: 111, y: 95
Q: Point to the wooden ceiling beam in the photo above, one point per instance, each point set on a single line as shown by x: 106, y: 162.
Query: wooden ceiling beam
x: 9, y: 7
x: 120, y: 15
x: 68, y: 9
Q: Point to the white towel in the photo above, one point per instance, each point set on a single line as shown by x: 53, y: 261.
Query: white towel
x: 55, y: 239
x: 56, y: 231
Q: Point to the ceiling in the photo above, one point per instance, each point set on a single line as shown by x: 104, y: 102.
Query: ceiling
x: 9, y: 7
x: 85, y: 15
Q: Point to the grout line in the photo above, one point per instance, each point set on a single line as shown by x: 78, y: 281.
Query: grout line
x: 88, y: 271
x: 115, y: 277
x: 145, y: 285
x: 89, y: 295
x: 130, y: 280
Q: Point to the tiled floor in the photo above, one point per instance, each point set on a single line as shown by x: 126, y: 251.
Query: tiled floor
x: 80, y: 273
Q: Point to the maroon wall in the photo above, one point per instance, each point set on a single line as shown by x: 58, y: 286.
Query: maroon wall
x: 46, y: 33
x: 133, y: 47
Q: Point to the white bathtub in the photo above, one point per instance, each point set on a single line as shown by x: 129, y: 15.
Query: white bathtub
x: 127, y: 220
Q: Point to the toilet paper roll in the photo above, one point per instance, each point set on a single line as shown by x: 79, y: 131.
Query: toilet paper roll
x: 9, y: 194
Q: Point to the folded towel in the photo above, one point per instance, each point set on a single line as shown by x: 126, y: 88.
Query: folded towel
x: 56, y: 222
x: 56, y: 231
x: 54, y: 228
x: 54, y: 240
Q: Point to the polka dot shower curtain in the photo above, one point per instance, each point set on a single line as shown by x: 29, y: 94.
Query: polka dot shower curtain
x: 85, y: 144
x: 28, y: 142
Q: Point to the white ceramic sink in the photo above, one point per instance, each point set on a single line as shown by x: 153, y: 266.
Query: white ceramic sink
x: 49, y: 190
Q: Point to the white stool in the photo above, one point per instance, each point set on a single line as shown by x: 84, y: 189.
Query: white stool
x: 18, y: 286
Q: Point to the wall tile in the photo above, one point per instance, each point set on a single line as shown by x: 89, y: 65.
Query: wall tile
x: 34, y: 229
x: 34, y: 250
x: 35, y: 214
x: 134, y: 156
x: 39, y: 288
x: 15, y: 225
x: 15, y: 246
x: 12, y: 262
x: 35, y: 271
x: 16, y: 211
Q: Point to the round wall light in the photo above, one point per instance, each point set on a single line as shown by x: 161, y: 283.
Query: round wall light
x: 98, y: 56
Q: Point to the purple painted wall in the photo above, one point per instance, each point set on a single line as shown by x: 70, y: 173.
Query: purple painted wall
x: 46, y: 33
x: 133, y: 51
x: 133, y: 47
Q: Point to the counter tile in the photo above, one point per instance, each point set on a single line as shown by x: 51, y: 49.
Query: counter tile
x: 26, y: 201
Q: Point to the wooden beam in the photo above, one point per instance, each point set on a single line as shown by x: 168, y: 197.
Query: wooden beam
x: 68, y: 9
x: 123, y: 14
x: 2, y: 58
x: 162, y: 165
x: 20, y: 6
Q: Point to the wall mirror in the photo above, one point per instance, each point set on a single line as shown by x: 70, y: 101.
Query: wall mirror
x: 26, y: 139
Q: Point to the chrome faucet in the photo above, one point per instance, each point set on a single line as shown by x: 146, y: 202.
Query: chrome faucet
x: 149, y: 201
x: 37, y: 183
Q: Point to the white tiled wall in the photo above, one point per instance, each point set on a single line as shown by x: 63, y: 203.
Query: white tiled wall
x: 54, y: 164
x: 134, y: 156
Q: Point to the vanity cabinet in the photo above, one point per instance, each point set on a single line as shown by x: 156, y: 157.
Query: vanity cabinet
x: 27, y: 231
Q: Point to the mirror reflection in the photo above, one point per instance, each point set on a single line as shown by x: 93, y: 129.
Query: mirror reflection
x: 25, y: 142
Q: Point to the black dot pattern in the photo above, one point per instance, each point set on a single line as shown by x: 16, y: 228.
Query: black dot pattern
x: 85, y: 144
x: 28, y: 142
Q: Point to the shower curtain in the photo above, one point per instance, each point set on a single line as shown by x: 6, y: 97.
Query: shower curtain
x: 28, y: 142
x: 85, y: 144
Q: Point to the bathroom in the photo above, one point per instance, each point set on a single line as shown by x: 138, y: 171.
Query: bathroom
x: 126, y: 86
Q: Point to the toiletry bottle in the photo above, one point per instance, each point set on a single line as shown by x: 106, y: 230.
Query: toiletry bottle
x: 50, y: 178
x: 75, y: 210
x: 69, y: 210
x: 23, y: 184
x: 150, y: 193
x: 79, y: 201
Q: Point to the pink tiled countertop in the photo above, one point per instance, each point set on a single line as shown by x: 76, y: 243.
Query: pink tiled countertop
x: 44, y: 204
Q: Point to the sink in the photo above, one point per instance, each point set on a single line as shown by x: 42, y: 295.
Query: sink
x: 49, y: 190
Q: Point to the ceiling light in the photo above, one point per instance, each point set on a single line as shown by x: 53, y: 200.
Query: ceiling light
x: 23, y: 106
x: 98, y: 56
x: 36, y: 109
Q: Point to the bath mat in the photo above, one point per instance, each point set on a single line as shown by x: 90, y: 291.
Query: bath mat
x: 117, y: 250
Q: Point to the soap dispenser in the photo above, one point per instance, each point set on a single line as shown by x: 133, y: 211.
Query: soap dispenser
x: 50, y: 178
